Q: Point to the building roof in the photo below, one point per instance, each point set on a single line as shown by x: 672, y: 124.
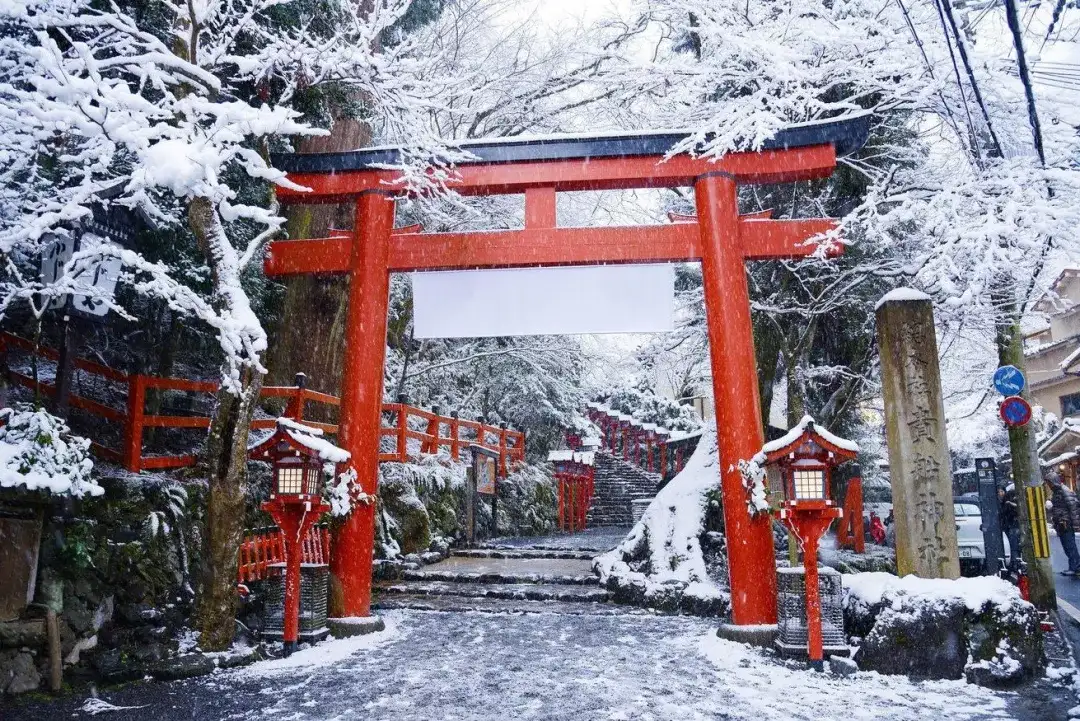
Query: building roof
x: 1050, y: 302
x: 1066, y: 439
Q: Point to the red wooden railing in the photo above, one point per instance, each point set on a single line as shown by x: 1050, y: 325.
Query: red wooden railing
x: 575, y: 479
x: 260, y: 550
x: 508, y: 443
x: 648, y: 446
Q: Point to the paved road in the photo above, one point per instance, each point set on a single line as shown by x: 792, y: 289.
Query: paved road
x: 538, y: 667
x: 1067, y: 587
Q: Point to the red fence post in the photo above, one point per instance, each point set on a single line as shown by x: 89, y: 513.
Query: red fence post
x: 562, y: 499
x: 502, y: 449
x: 402, y: 430
x: 134, y: 426
x: 433, y: 427
x: 455, y: 436
x: 295, y: 408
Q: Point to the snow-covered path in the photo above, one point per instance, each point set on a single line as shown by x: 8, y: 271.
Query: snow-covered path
x: 466, y: 666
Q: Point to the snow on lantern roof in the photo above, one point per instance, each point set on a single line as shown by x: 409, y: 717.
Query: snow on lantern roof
x: 846, y: 134
x: 305, y: 439
x: 585, y: 458
x: 787, y: 443
x: 901, y: 295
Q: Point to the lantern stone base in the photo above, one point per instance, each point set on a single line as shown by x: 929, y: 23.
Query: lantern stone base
x: 787, y: 650
x: 763, y: 634
x: 355, y: 626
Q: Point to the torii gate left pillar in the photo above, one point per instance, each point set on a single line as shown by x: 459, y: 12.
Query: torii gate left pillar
x: 361, y: 396
x: 719, y: 238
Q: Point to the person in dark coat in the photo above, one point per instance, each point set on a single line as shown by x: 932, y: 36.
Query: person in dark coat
x: 1010, y: 520
x: 1065, y: 518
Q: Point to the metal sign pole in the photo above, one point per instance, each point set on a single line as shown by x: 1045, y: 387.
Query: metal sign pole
x: 990, y: 506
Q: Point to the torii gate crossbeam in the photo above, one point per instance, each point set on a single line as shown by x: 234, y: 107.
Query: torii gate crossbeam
x: 719, y: 237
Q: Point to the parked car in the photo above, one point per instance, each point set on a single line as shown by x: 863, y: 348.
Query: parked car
x: 969, y: 538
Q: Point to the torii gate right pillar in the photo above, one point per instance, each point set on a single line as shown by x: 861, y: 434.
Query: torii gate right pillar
x: 751, y: 560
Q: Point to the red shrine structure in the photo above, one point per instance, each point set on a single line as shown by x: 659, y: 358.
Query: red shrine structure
x: 719, y: 237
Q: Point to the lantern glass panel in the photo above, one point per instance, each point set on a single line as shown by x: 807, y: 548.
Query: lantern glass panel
x: 809, y: 484
x: 290, y: 480
x: 314, y: 478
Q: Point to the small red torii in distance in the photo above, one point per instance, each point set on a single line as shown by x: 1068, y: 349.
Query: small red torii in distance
x: 718, y: 237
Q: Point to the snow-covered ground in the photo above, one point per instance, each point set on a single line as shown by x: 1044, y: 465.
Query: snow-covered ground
x: 473, y: 666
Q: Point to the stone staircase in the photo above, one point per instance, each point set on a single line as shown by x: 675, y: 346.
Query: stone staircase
x: 616, y: 483
x: 519, y: 579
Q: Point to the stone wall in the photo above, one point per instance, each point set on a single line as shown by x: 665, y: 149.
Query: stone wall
x: 118, y: 569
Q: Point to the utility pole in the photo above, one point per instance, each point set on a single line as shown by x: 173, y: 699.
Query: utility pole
x: 1025, y: 466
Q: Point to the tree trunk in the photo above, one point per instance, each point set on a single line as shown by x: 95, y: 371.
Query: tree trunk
x: 1025, y: 463
x: 226, y: 449
x: 226, y: 463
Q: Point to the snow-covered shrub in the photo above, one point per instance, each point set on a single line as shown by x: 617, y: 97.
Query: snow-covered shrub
x: 648, y: 407
x: 662, y: 563
x: 39, y: 453
x: 527, y: 501
x: 416, y: 502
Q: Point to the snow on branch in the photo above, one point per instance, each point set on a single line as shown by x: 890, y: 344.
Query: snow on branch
x: 95, y: 100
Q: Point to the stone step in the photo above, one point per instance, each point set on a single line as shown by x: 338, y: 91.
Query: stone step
x: 432, y: 573
x: 501, y: 605
x: 590, y: 550
x: 518, y: 591
x: 559, y: 554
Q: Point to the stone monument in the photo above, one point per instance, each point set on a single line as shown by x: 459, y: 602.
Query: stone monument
x: 919, y: 466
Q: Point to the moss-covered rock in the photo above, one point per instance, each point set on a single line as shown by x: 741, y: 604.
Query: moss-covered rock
x: 974, y: 628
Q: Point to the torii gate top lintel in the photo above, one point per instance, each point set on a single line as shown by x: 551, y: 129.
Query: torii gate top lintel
x: 621, y: 160
x: 718, y: 237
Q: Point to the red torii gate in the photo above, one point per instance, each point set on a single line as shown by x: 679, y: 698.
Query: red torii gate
x: 719, y: 238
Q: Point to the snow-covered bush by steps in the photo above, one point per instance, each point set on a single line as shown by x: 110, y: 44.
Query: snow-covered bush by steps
x: 648, y: 407
x: 422, y: 502
x: 38, y: 453
x: 527, y: 501
x: 663, y: 563
x: 979, y: 628
x: 417, y: 501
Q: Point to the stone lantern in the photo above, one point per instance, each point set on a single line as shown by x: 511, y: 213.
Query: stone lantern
x: 804, y: 460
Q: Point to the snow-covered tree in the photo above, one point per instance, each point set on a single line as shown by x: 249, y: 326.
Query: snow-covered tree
x: 170, y: 108
x: 981, y: 191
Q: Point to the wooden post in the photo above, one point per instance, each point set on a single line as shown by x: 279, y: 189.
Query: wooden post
x: 295, y: 409
x: 470, y: 505
x: 134, y: 426
x: 455, y: 437
x: 433, y: 427
x: 402, y: 432
x: 562, y: 499
x: 56, y: 663
x: 502, y: 450
x: 663, y: 460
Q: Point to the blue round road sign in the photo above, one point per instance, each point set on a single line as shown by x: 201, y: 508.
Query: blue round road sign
x: 1009, y: 380
x: 1015, y: 411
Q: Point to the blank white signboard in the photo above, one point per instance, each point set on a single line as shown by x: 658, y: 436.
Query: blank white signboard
x: 544, y: 301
